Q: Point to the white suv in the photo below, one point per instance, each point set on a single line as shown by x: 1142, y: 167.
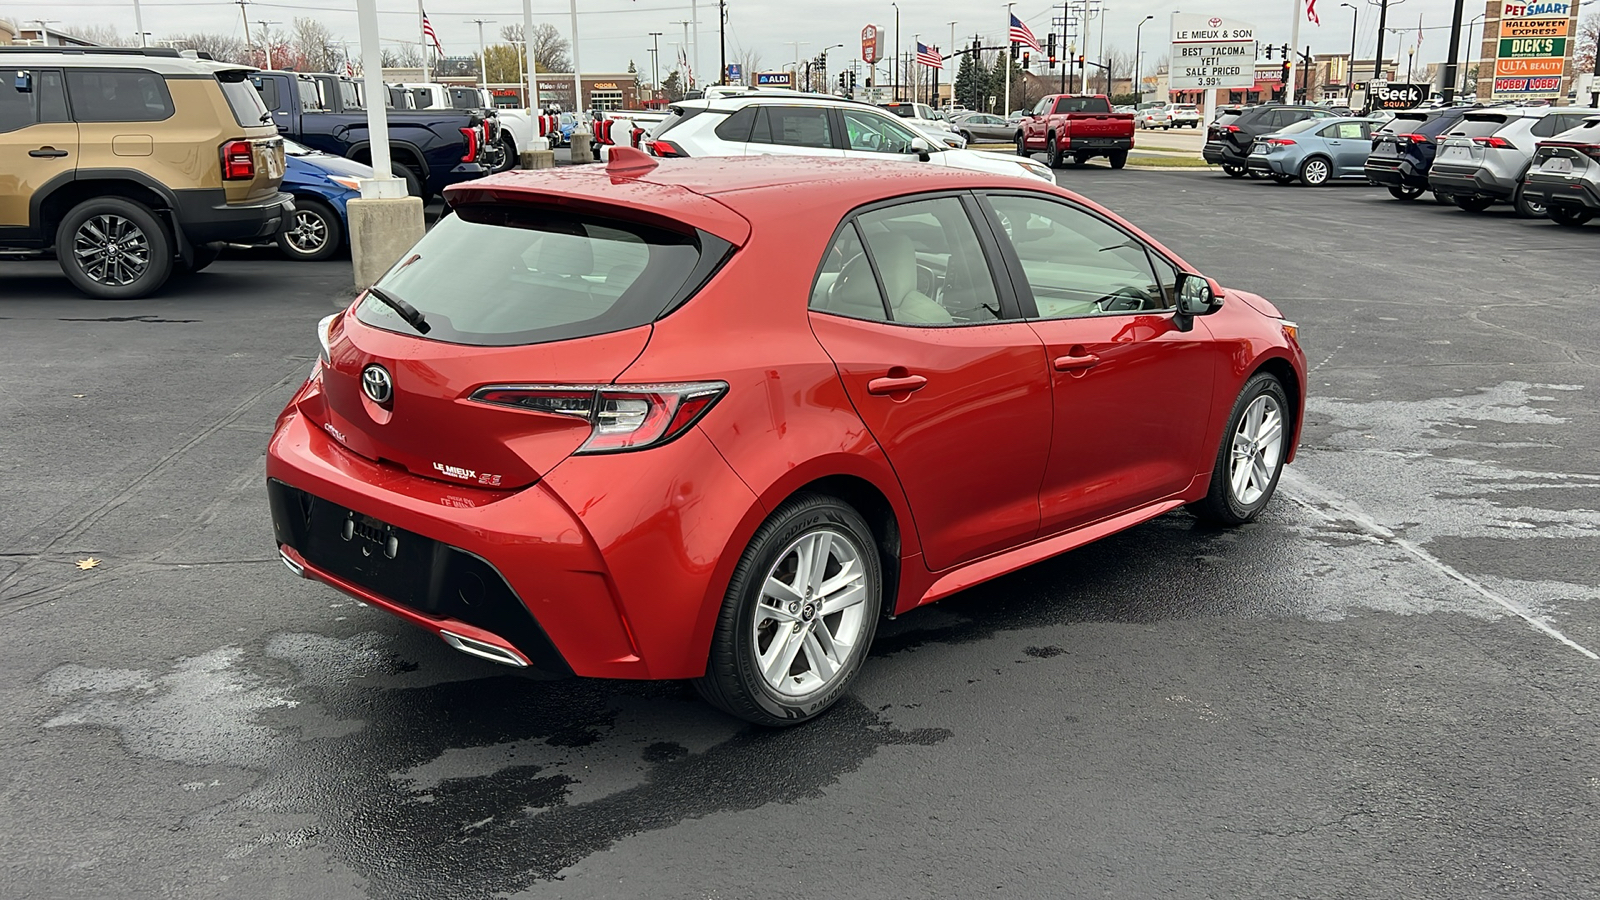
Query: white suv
x: 793, y: 124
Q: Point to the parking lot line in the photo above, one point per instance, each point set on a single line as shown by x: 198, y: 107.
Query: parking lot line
x: 1319, y: 500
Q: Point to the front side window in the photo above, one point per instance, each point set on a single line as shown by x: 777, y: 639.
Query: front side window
x: 1077, y: 264
x: 1345, y: 130
x: 876, y: 134
x: 118, y: 95
x: 793, y: 126
x: 846, y: 286
x: 310, y: 96
x: 929, y: 263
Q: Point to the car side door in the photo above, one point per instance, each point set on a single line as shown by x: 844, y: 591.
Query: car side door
x: 1131, y: 382
x: 915, y: 311
x: 1348, y: 143
x: 873, y: 135
x: 38, y: 143
x: 793, y: 130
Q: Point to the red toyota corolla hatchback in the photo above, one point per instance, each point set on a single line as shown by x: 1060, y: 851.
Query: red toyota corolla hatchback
x: 713, y: 419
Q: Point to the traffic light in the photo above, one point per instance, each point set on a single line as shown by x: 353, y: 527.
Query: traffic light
x: 842, y: 82
x: 1270, y: 50
x: 1285, y: 51
x: 1027, y: 60
x: 1080, y: 60
x: 1285, y: 76
x: 1050, y: 48
x: 1014, y: 48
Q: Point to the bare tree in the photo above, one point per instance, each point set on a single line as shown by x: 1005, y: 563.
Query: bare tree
x: 749, y: 63
x: 102, y: 34
x: 1588, y: 38
x: 315, y: 46
x: 404, y: 56
x: 222, y: 47
x: 546, y: 45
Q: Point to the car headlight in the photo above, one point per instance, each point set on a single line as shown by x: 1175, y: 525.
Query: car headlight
x: 345, y: 181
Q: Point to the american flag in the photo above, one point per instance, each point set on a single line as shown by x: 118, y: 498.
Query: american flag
x: 349, y: 68
x: 1021, y: 34
x: 929, y: 56
x: 429, y: 35
x: 1311, y: 12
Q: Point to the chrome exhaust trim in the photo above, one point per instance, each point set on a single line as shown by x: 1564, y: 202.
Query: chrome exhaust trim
x: 484, y: 650
x: 298, y: 570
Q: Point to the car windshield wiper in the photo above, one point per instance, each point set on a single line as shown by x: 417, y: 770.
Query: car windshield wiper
x: 405, y: 310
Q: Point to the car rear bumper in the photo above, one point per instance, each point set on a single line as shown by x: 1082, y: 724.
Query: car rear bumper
x: 205, y: 215
x: 1221, y: 154
x: 1468, y: 181
x: 572, y: 574
x: 1555, y: 191
x: 1097, y: 145
x: 1395, y: 173
x: 1277, y: 164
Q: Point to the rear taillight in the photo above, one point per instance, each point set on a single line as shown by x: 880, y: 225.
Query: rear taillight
x: 471, y: 134
x: 1496, y: 143
x: 666, y: 150
x: 622, y: 417
x: 238, y: 161
x: 1590, y: 150
x: 636, y: 135
x: 1230, y: 129
x: 1280, y: 142
x: 1412, y: 138
x: 325, y: 337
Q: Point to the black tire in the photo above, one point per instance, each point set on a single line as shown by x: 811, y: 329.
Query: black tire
x: 315, y: 232
x: 204, y: 255
x: 1474, y: 204
x: 1570, y: 216
x: 1052, y: 154
x: 1255, y: 173
x: 115, y: 269
x: 1404, y: 192
x: 1526, y: 208
x: 1443, y: 199
x: 507, y: 157
x: 1221, y: 506
x: 1022, y: 147
x: 413, y: 180
x: 1080, y: 159
x: 1283, y: 179
x: 965, y: 136
x: 1233, y: 171
x: 733, y: 682
x: 1119, y: 158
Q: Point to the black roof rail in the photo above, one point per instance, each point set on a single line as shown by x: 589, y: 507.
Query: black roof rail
x: 167, y: 52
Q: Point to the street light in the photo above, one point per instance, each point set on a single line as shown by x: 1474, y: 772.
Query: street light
x: 266, y: 38
x: 1350, y: 64
x: 797, y: 45
x: 1138, y: 92
x: 655, y: 64
x: 896, y: 56
x: 824, y: 57
x: 1411, y: 60
x: 483, y: 58
x: 1470, y: 25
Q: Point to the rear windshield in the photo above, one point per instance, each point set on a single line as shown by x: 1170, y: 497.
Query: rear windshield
x: 1082, y: 105
x: 1408, y: 123
x: 505, y: 275
x: 1476, y: 127
x: 1227, y: 116
x: 243, y: 99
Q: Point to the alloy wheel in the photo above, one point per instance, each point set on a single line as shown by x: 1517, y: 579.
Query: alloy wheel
x: 811, y: 616
x: 309, y: 234
x: 112, y: 250
x: 1314, y: 172
x: 1257, y: 446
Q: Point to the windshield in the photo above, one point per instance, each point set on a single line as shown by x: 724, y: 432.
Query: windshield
x: 349, y: 96
x: 506, y: 275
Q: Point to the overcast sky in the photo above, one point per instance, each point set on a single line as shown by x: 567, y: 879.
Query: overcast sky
x: 613, y: 32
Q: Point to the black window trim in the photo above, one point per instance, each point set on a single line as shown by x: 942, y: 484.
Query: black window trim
x: 1010, y: 308
x: 1019, y: 278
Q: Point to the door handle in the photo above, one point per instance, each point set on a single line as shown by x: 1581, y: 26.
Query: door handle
x: 1071, y: 363
x: 47, y: 153
x: 903, y: 385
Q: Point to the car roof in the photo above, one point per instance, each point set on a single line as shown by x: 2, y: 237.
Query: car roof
x: 160, y: 60
x: 723, y: 195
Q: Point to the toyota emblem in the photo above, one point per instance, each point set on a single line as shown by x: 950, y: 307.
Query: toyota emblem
x: 376, y: 384
x: 1215, y: 23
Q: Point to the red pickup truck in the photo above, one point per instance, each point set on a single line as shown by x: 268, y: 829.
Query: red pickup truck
x: 1076, y: 127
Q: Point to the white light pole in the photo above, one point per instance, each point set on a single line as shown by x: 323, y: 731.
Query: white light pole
x: 266, y: 38
x: 483, y: 57
x: 44, y: 29
x: 382, y: 185
x: 797, y: 45
x: 138, y: 22
x: 577, y: 78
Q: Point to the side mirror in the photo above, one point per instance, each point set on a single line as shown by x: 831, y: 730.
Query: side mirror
x: 1197, y: 296
x: 23, y: 83
x: 921, y: 148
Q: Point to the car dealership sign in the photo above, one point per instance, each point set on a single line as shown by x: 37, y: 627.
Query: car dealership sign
x: 1211, y: 52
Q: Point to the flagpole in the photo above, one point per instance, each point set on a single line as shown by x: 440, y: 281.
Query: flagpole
x: 422, y: 16
x: 1005, y: 61
x: 1294, y: 54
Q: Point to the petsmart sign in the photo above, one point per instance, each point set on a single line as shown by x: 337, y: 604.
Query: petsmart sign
x: 1532, y: 50
x: 1211, y: 52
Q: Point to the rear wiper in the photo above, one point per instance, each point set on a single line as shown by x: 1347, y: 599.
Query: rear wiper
x: 405, y: 310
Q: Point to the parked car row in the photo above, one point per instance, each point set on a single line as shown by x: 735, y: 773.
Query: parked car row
x: 1541, y: 160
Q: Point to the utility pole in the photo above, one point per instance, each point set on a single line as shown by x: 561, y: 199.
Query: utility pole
x: 1138, y: 35
x: 266, y: 38
x: 687, y: 63
x: 796, y: 45
x: 896, y: 54
x: 722, y: 39
x: 1005, y: 63
x: 916, y: 73
x: 1350, y: 64
x: 1383, y: 20
x: 241, y: 3
x: 531, y: 97
x: 582, y: 128
x: 655, y: 63
x: 694, y: 16
x: 955, y: 63
x: 138, y: 22
x: 1452, y: 60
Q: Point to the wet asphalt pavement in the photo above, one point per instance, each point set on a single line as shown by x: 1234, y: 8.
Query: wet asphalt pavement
x: 1384, y: 688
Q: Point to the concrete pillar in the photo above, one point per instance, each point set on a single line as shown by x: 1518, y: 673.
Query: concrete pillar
x: 580, y: 151
x: 538, y: 159
x: 381, y: 231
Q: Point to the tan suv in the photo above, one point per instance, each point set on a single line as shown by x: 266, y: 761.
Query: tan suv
x: 127, y: 163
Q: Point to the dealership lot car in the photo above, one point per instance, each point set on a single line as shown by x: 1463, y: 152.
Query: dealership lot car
x: 321, y: 184
x: 1230, y: 138
x: 1403, y: 150
x: 1483, y: 158
x: 1565, y: 174
x: 1314, y: 151
x: 713, y: 419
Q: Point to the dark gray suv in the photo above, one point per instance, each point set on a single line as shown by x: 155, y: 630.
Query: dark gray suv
x: 1228, y: 140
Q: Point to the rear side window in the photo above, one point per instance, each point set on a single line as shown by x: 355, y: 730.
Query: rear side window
x: 1555, y: 123
x: 46, y: 103
x: 736, y: 128
x: 793, y: 126
x: 506, y: 275
x: 268, y: 89
x: 118, y: 95
x: 242, y: 99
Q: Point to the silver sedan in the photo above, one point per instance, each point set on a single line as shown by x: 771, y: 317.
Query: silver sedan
x: 978, y: 126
